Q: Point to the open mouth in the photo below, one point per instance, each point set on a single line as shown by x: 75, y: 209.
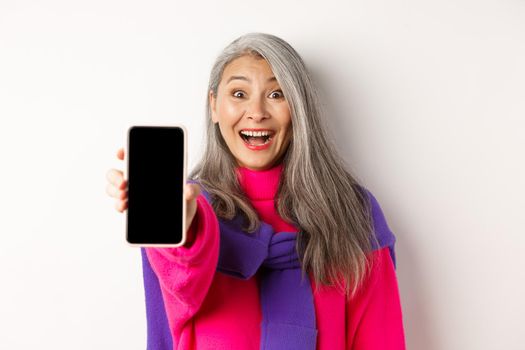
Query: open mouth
x: 257, y: 138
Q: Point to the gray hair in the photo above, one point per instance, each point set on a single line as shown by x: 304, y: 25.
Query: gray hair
x: 316, y: 192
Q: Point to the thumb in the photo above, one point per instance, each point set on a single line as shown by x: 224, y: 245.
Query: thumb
x: 191, y: 191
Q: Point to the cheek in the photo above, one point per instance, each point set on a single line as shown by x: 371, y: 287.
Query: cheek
x: 228, y: 110
x: 285, y: 116
x: 287, y: 137
x: 288, y: 127
x: 228, y: 118
x: 286, y: 120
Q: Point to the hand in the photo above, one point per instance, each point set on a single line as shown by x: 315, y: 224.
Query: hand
x: 118, y: 188
x: 191, y: 192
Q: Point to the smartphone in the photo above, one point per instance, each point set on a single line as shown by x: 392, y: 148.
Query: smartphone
x: 156, y: 174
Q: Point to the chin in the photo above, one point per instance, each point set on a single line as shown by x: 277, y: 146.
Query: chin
x: 257, y: 165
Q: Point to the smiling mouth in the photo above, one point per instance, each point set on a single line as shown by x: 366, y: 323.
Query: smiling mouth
x: 256, y: 138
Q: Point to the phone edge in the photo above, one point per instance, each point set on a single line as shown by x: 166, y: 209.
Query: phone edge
x: 184, y: 175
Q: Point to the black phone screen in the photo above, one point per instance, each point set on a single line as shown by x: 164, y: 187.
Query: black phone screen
x: 155, y: 185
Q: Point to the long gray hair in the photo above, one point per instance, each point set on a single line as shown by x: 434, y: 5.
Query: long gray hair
x: 316, y: 193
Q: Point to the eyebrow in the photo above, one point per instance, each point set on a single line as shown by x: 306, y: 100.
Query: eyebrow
x: 240, y: 77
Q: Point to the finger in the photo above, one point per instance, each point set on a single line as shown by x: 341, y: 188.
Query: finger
x: 123, y: 185
x: 121, y: 205
x: 191, y: 191
x: 115, y: 192
x: 116, y: 177
x: 110, y: 190
x: 196, y: 190
x: 120, y: 154
x: 188, y: 192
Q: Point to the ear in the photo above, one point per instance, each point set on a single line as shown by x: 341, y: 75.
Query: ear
x: 213, y: 110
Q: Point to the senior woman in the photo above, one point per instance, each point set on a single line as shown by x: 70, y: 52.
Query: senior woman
x: 286, y: 249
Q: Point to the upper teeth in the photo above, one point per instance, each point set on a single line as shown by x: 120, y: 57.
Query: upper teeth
x: 255, y: 133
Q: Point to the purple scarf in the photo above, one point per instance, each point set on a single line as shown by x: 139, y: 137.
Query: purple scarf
x: 289, y: 316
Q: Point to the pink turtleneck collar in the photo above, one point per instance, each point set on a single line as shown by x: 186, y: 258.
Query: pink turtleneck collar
x: 260, y: 184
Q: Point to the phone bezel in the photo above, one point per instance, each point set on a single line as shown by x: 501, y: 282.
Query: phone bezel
x: 126, y: 172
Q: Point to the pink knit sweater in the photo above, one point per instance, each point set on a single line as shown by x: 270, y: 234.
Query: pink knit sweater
x: 207, y: 309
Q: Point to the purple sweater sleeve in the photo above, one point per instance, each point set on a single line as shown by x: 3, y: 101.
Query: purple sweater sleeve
x: 374, y: 315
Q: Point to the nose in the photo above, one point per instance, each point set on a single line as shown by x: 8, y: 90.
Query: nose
x: 257, y: 110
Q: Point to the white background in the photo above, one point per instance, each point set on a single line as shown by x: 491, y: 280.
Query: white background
x: 428, y: 108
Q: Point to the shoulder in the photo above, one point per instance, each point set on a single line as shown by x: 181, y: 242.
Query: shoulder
x: 383, y: 233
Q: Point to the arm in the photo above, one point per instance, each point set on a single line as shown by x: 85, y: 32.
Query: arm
x: 375, y: 315
x: 185, y: 273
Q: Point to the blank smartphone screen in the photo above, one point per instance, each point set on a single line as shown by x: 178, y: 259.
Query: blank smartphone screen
x: 155, y: 185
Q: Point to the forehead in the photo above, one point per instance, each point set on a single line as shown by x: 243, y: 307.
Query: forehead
x: 247, y: 66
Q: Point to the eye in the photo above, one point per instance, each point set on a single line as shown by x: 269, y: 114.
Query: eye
x: 277, y: 94
x: 238, y: 93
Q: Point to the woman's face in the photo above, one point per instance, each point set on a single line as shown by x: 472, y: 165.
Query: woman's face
x: 253, y: 115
